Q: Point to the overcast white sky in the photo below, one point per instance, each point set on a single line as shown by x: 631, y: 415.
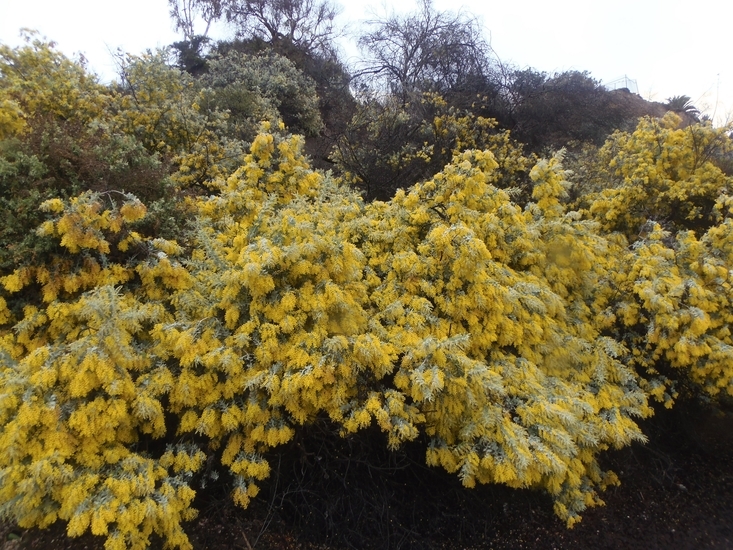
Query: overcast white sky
x: 669, y: 47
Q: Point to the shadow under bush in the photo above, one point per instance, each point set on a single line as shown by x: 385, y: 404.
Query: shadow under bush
x: 355, y: 493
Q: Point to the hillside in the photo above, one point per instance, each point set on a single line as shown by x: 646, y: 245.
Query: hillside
x: 507, y: 300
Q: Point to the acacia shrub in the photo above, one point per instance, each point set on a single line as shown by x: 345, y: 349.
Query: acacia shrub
x: 513, y: 341
x: 79, y: 387
x: 662, y: 172
x: 669, y: 198
x: 65, y: 143
x: 448, y: 312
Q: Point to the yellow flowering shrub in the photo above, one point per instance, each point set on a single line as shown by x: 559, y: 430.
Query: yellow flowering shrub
x: 517, y: 338
x: 37, y: 79
x: 673, y: 287
x: 274, y: 329
x: 80, y: 390
x: 68, y: 136
x: 677, y: 310
x: 665, y: 173
x: 489, y: 311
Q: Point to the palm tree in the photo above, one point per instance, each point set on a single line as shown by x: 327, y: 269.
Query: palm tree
x: 682, y: 104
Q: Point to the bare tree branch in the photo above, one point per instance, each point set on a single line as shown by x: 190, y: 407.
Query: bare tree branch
x: 425, y: 51
x: 185, y: 13
x: 307, y: 24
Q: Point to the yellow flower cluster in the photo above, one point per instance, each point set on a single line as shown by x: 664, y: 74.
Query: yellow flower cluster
x: 492, y: 310
x: 38, y: 79
x: 682, y: 294
x: 80, y: 386
x: 664, y: 171
x: 673, y: 286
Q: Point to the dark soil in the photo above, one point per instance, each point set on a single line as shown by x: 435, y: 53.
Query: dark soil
x: 676, y: 493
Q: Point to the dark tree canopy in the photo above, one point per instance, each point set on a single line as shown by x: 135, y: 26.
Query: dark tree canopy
x: 550, y: 110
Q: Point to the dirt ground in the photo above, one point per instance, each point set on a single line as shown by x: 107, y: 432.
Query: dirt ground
x: 676, y: 493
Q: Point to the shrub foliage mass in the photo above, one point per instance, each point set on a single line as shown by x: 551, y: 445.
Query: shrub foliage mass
x: 174, y: 302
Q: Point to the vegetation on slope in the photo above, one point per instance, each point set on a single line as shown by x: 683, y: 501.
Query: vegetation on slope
x: 182, y: 294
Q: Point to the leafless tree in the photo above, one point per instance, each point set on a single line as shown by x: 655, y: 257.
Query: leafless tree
x: 306, y: 24
x: 427, y: 50
x: 186, y: 13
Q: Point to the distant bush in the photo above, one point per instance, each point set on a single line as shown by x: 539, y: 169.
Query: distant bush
x: 260, y: 87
